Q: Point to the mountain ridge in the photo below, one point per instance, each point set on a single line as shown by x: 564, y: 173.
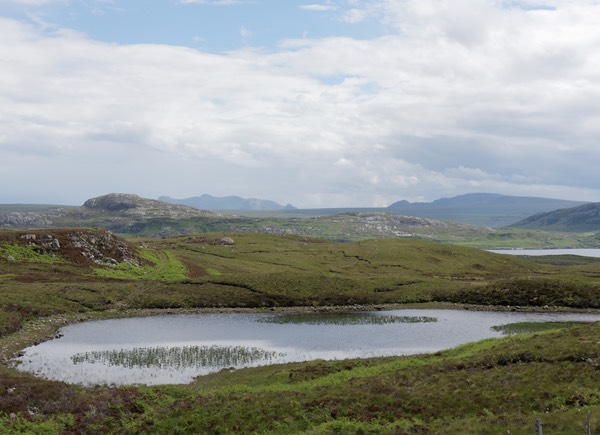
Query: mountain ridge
x: 487, y: 209
x: 583, y: 218
x: 232, y: 202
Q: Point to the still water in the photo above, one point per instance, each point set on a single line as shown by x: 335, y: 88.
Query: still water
x: 176, y: 348
x: 537, y: 252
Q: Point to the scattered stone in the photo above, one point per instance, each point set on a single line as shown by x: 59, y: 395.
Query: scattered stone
x: 226, y: 241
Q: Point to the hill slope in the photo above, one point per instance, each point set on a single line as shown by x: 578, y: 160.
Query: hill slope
x: 584, y: 218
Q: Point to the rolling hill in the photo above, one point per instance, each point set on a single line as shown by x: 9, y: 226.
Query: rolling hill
x: 584, y: 218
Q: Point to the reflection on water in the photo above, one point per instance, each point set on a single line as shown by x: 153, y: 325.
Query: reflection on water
x: 177, y: 348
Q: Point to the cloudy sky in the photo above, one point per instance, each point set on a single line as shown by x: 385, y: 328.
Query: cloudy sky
x: 319, y: 104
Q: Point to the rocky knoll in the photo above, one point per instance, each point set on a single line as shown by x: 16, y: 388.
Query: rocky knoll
x: 80, y: 246
x: 118, y: 212
x: 127, y: 204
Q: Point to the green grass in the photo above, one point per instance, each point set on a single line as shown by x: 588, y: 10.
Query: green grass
x: 24, y: 253
x: 485, y: 387
x: 213, y: 272
x: 270, y: 270
x: 160, y: 266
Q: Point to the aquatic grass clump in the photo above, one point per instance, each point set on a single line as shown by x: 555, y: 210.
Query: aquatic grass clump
x: 529, y: 327
x: 177, y: 357
x: 344, y: 319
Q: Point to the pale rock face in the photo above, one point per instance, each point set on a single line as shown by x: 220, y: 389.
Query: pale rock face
x: 227, y: 241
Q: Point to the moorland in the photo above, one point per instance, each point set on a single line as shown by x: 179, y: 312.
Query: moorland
x: 52, y: 277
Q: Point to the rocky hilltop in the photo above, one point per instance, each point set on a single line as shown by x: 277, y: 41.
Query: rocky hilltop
x: 128, y: 204
x: 119, y: 212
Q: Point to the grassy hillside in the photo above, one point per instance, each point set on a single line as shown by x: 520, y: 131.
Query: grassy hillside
x: 259, y: 270
x: 488, y: 387
x: 584, y: 218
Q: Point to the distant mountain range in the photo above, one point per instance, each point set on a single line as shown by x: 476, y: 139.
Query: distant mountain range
x: 584, y: 218
x: 484, y: 209
x: 487, y: 209
x: 209, y: 202
x: 131, y: 214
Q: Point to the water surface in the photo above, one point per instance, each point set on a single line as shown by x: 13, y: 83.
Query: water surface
x: 176, y: 348
x: 538, y: 252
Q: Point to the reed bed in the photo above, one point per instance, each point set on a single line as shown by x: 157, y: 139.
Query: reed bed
x: 177, y: 357
x: 529, y: 327
x: 344, y: 319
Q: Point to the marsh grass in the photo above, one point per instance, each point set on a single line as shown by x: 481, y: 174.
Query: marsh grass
x: 177, y: 357
x: 344, y: 319
x: 529, y: 327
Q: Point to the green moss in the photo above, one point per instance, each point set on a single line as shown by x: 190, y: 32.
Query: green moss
x: 213, y: 272
x: 25, y: 253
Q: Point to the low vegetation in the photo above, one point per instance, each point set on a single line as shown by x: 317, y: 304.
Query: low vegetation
x: 493, y: 386
x: 486, y: 387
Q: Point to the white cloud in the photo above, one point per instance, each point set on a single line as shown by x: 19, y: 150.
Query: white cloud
x: 246, y: 34
x: 460, y: 96
x: 215, y: 2
x: 318, y: 7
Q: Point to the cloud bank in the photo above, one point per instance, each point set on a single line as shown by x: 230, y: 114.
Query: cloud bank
x: 454, y: 97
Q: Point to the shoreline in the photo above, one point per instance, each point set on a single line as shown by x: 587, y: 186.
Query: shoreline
x: 44, y: 329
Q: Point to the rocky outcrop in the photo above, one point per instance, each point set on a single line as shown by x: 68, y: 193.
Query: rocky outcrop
x: 80, y: 246
x: 119, y: 212
x: 24, y: 219
x: 114, y: 202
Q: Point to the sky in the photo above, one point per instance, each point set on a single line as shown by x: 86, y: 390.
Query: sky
x: 317, y: 103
